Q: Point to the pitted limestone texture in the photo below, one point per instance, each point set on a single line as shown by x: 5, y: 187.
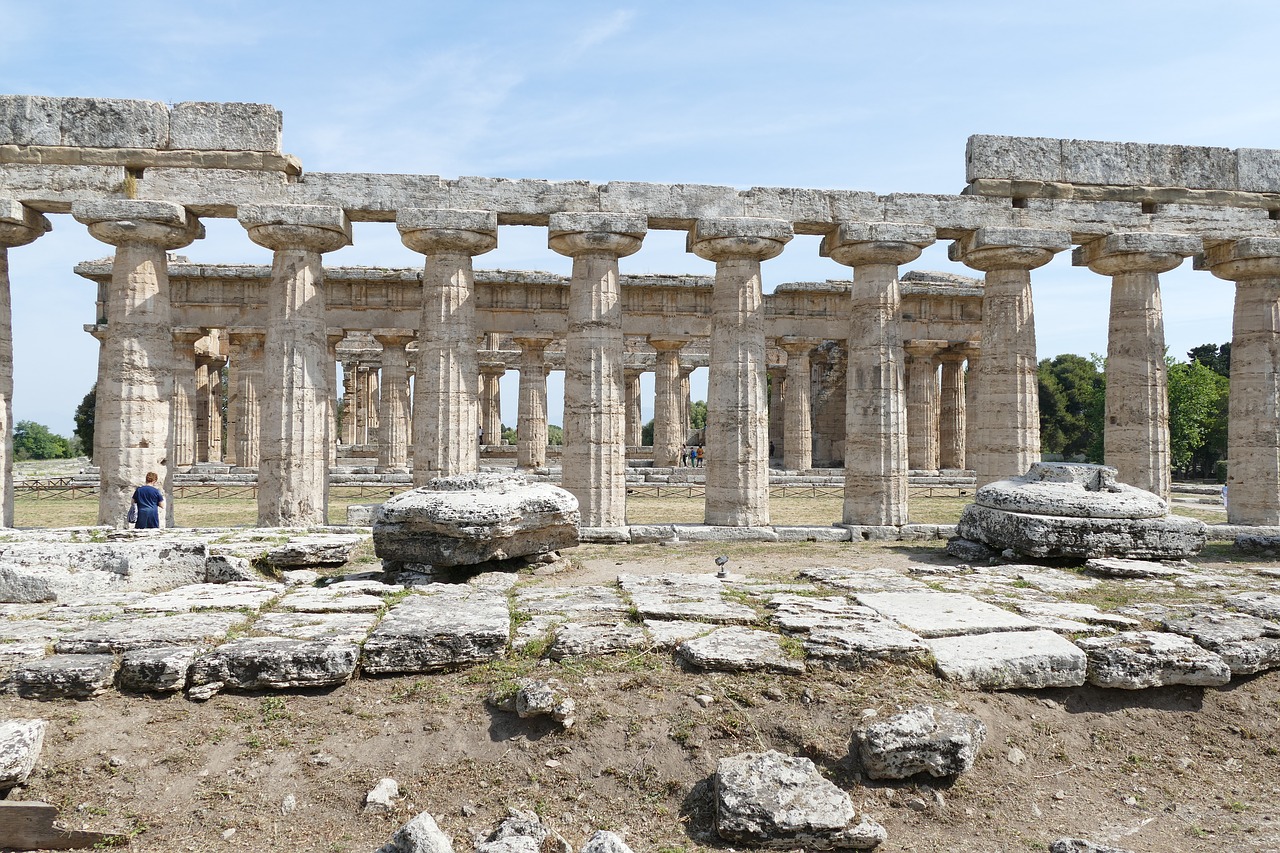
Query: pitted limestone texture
x: 420, y: 835
x: 350, y: 627
x: 737, y: 649
x: 20, y: 745
x: 942, y: 614
x: 473, y: 518
x: 1010, y: 660
x: 132, y: 632
x: 164, y: 669
x: 574, y: 640
x: 326, y: 550
x: 276, y: 663
x: 775, y: 800
x: 440, y: 626
x: 524, y: 832
x: 1247, y: 643
x: 535, y: 697
x: 1060, y: 509
x: 1134, y: 660
x: 922, y: 739
x: 836, y: 632
x: 35, y: 571
x: 65, y: 677
x: 684, y: 597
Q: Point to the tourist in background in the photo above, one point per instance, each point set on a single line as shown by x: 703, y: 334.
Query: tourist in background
x: 149, y: 501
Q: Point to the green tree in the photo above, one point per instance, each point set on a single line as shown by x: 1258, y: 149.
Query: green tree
x: 555, y: 435
x: 646, y: 434
x: 508, y: 435
x: 1216, y: 358
x: 698, y: 414
x: 1072, y: 402
x: 1197, y: 410
x: 35, y: 441
x: 84, y: 420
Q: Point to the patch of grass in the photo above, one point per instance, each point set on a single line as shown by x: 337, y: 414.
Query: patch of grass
x: 274, y: 709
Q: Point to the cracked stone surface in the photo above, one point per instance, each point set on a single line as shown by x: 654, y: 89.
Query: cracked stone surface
x: 922, y: 739
x: 65, y: 677
x: 1010, y: 660
x: 20, y: 745
x: 698, y: 598
x: 143, y: 632
x: 1247, y: 643
x: 943, y: 614
x: 1133, y: 660
x: 438, y: 627
x: 276, y: 663
x: 737, y: 649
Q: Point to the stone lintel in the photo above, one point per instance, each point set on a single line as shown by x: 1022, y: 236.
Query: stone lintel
x: 13, y: 212
x: 847, y: 233
x: 628, y: 224
x: 122, y: 210
x: 1117, y: 246
x: 439, y: 219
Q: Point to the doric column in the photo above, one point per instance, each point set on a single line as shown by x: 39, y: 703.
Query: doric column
x: 686, y: 403
x: 393, y: 413
x: 208, y: 377
x: 18, y: 226
x: 1136, y: 431
x: 669, y: 432
x: 244, y: 397
x: 134, y: 409
x: 972, y: 399
x: 349, y: 403
x: 777, y: 408
x: 99, y: 333
x: 184, y: 450
x: 634, y: 413
x: 737, y: 436
x: 951, y: 411
x: 875, y: 454
x: 594, y: 456
x: 446, y: 416
x: 1253, y: 417
x: 922, y: 404
x: 1008, y: 437
x: 293, y: 469
x: 334, y: 337
x: 797, y: 405
x: 491, y: 400
x: 531, y: 420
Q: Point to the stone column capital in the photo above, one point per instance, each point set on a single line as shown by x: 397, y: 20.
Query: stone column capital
x: 738, y: 238
x: 19, y: 224
x: 1134, y: 252
x: 797, y: 345
x: 493, y: 368
x: 988, y: 249
x: 393, y: 337
x: 121, y: 222
x: 306, y: 227
x: 187, y: 334
x: 251, y: 337
x: 1240, y: 260
x: 668, y: 343
x: 529, y: 341
x: 857, y: 244
x: 953, y: 354
x: 335, y: 336
x: 434, y: 231
x: 924, y: 348
x: 615, y: 235
x: 97, y: 330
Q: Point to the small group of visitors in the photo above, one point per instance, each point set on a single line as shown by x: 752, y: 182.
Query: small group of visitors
x: 692, y: 456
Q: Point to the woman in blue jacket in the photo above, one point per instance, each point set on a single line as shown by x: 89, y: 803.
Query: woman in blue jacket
x: 150, y: 501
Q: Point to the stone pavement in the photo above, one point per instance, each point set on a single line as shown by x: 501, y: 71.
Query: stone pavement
x: 1003, y: 626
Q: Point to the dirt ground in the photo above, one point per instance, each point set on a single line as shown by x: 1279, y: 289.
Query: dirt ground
x: 1164, y: 771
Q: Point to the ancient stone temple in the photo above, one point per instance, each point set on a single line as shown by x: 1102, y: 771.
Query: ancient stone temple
x: 880, y: 373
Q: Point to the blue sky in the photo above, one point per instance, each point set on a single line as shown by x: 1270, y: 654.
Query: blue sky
x: 856, y: 95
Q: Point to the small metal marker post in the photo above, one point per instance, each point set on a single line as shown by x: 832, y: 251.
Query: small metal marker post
x: 721, y: 571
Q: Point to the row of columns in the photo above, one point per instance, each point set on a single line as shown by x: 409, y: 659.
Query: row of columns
x: 139, y: 432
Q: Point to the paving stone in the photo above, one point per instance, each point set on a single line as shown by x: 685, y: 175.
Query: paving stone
x: 572, y: 639
x: 1046, y: 580
x: 276, y: 663
x: 127, y: 633
x: 210, y: 596
x: 1133, y: 660
x: 922, y: 739
x: 20, y: 745
x: 799, y: 613
x: 159, y: 670
x: 859, y: 580
x: 228, y: 568
x: 667, y: 634
x: 837, y: 632
x: 440, y: 626
x: 339, y: 598
x: 942, y: 614
x: 1010, y: 660
x: 1247, y: 643
x: 1078, y: 612
x: 351, y: 627
x: 1262, y: 604
x: 323, y: 550
x: 736, y: 649
x: 65, y: 677
x: 684, y: 597
x: 1112, y: 567
x: 767, y: 798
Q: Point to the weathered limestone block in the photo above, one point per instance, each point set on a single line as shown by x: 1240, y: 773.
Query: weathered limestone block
x: 1010, y: 660
x: 922, y: 739
x: 942, y: 614
x: 573, y: 640
x: 604, y: 841
x: 209, y: 596
x: 156, y: 670
x: 228, y: 568
x: 468, y: 519
x: 124, y: 634
x: 533, y: 697
x: 20, y: 745
x: 1134, y: 660
x: 276, y: 663
x: 30, y: 120
x: 420, y: 835
x: 207, y: 126
x: 440, y: 627
x: 1247, y: 643
x: 771, y: 799
x: 681, y: 596
x: 1265, y: 605
x: 1080, y: 845
x: 327, y: 549
x: 47, y: 571
x: 1073, y: 490
x: 839, y: 633
x: 524, y: 832
x: 1112, y: 567
x: 65, y: 677
x: 114, y: 123
x: 737, y: 649
x: 347, y: 627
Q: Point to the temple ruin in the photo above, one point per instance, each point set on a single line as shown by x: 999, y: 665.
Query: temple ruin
x: 853, y: 362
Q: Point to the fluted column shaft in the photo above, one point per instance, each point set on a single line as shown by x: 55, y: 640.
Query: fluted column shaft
x: 1136, y: 431
x: 594, y: 456
x: 393, y: 411
x: 134, y: 406
x: 446, y: 416
x: 185, y: 403
x: 922, y: 407
x: 293, y: 469
x: 244, y: 400
x: 951, y: 413
x: 737, y: 436
x: 531, y: 424
x: 18, y: 226
x: 797, y: 431
x: 634, y: 417
x: 1253, y: 417
x: 1008, y: 439
x: 875, y: 454
x: 686, y: 404
x: 777, y: 407
x: 668, y: 431
x: 972, y: 400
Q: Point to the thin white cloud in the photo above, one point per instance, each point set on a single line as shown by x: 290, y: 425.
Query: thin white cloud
x: 602, y: 31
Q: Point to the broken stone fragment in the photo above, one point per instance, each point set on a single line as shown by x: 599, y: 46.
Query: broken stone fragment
x: 604, y: 841
x: 20, y: 745
x: 524, y: 832
x: 776, y: 800
x: 534, y: 697
x: 159, y: 670
x: 227, y: 568
x: 328, y: 550
x: 277, y: 663
x: 1079, y: 845
x: 922, y: 739
x: 1133, y: 660
x: 381, y: 799
x: 420, y: 835
x: 65, y: 677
